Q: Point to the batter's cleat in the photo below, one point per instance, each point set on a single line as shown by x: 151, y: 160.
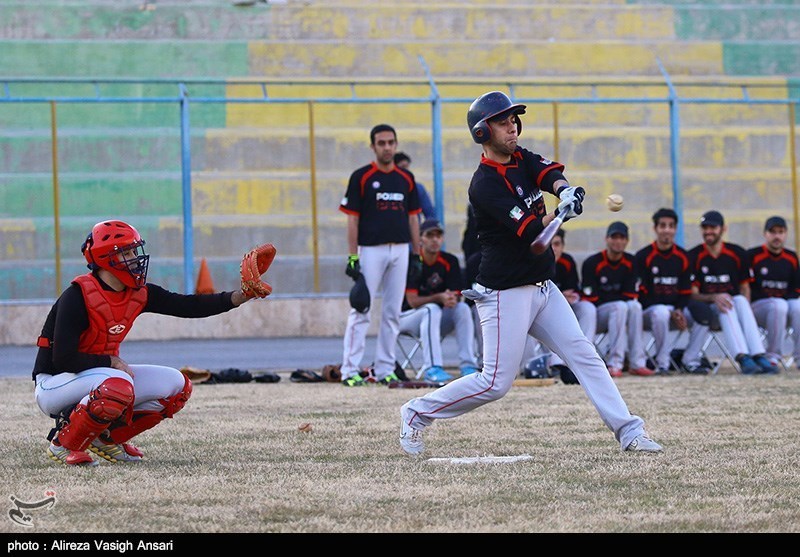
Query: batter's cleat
x: 643, y: 444
x: 410, y: 438
x: 354, y: 381
x: 615, y: 372
x: 642, y: 372
x: 113, y: 452
x: 748, y: 365
x: 468, y: 370
x: 437, y: 374
x: 391, y: 378
x: 765, y: 365
x: 63, y: 455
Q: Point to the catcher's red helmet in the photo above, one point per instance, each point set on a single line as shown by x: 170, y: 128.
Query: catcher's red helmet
x: 118, y: 248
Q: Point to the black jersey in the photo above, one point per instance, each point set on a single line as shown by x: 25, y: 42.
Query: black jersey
x: 443, y: 274
x: 721, y: 274
x: 508, y: 204
x: 665, y: 277
x: 383, y: 202
x: 608, y: 281
x: 566, y: 277
x: 774, y: 276
x: 68, y: 318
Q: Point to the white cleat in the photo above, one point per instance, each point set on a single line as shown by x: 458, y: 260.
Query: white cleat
x: 410, y: 438
x: 643, y: 444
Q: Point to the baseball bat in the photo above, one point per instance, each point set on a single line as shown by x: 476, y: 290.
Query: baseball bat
x: 542, y: 241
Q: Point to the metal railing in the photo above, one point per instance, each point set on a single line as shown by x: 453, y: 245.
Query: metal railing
x: 190, y: 92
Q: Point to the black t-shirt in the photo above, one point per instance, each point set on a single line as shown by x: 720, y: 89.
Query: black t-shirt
x: 444, y: 274
x: 383, y: 202
x: 508, y: 203
x: 721, y: 274
x: 665, y: 276
x: 566, y: 273
x: 608, y: 281
x: 773, y: 275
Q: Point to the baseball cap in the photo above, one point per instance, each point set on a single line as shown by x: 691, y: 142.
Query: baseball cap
x: 775, y: 221
x: 617, y: 227
x: 430, y: 224
x: 712, y: 218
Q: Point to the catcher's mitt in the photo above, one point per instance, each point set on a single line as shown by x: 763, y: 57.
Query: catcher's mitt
x: 196, y: 375
x: 332, y: 373
x: 254, y: 264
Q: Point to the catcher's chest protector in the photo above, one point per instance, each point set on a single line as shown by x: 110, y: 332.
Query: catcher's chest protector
x: 111, y: 315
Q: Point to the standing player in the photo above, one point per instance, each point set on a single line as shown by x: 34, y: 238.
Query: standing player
x: 382, y: 209
x: 775, y: 289
x: 78, y: 364
x: 665, y: 292
x: 722, y: 280
x: 433, y: 307
x: 513, y: 292
x: 609, y: 282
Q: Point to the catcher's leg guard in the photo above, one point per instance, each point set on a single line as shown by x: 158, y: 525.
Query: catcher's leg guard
x: 106, y: 403
x: 145, y: 419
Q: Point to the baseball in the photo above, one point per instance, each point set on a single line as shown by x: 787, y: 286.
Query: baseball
x: 305, y: 428
x: 614, y: 202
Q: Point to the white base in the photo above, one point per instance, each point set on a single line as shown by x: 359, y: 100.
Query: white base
x: 488, y: 459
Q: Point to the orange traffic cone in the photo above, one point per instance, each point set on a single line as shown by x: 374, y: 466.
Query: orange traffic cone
x: 204, y: 283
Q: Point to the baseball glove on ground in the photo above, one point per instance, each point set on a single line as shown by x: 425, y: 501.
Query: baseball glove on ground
x: 254, y: 264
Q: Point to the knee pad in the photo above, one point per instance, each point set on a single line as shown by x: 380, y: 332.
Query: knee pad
x: 111, y: 399
x: 176, y: 402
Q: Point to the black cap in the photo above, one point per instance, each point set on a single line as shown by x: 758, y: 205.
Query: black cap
x: 712, y: 218
x: 617, y: 227
x: 430, y: 224
x: 775, y: 221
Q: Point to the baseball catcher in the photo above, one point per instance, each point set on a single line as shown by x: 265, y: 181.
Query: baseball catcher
x: 99, y: 401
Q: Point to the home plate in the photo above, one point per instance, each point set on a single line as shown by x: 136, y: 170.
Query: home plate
x: 488, y: 459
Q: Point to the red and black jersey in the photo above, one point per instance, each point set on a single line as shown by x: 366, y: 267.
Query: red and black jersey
x: 665, y: 276
x: 774, y: 276
x: 444, y: 274
x: 721, y: 274
x: 508, y: 203
x: 68, y: 320
x: 566, y: 277
x: 608, y: 281
x: 383, y: 201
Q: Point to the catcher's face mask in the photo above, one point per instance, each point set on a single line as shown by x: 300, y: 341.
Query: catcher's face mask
x: 117, y: 247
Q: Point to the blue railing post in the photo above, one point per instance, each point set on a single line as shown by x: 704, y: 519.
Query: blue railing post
x: 436, y: 146
x: 186, y: 183
x: 674, y: 152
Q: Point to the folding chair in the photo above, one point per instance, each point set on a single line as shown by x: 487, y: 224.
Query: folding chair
x: 650, y: 347
x: 715, y: 336
x: 409, y: 345
x: 785, y: 360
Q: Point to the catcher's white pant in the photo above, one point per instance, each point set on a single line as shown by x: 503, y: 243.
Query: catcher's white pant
x: 656, y: 319
x: 773, y: 314
x: 54, y: 393
x: 622, y: 321
x: 385, y: 268
x: 507, y: 318
x: 431, y: 323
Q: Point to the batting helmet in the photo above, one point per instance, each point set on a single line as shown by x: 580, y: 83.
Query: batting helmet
x: 536, y: 368
x: 359, y: 295
x: 487, y: 106
x: 118, y: 248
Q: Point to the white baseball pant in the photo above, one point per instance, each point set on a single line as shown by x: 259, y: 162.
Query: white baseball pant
x: 507, y: 318
x: 739, y: 327
x: 622, y: 321
x: 54, y: 393
x: 586, y: 313
x: 385, y: 269
x: 773, y: 314
x: 656, y: 319
x: 431, y: 323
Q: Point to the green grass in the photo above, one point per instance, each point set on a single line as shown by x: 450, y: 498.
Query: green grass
x: 234, y: 461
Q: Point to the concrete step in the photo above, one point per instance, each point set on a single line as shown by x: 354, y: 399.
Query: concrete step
x: 255, y: 149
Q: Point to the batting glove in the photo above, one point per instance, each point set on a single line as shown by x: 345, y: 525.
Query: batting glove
x: 353, y: 269
x: 571, y: 204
